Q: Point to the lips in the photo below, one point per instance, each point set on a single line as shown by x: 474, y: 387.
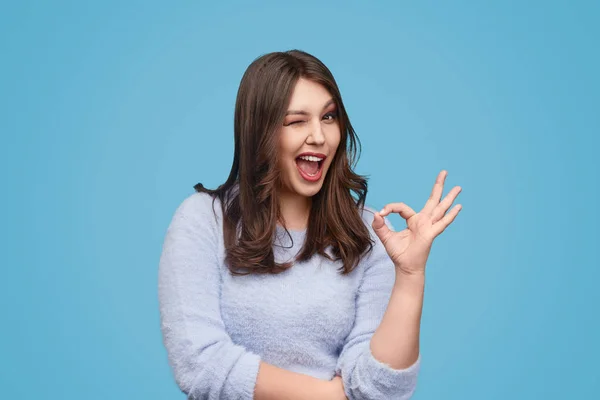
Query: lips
x: 310, y: 165
x: 308, y: 177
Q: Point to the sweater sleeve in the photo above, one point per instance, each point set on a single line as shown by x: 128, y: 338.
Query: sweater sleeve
x: 365, y: 377
x: 205, y: 362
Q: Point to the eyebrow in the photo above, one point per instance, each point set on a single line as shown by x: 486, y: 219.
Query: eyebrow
x: 301, y: 112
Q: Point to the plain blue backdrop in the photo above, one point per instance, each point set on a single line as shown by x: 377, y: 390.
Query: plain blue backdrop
x: 111, y: 112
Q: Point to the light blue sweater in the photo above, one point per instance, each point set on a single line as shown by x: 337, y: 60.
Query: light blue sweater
x: 309, y: 319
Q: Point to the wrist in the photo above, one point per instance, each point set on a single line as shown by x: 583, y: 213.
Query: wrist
x: 335, y: 389
x: 410, y: 281
x: 417, y: 269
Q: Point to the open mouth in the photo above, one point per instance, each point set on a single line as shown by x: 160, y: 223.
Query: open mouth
x: 310, y: 167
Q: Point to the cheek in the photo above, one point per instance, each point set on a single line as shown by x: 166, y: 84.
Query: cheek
x: 334, y: 138
x: 290, y: 143
x: 287, y: 148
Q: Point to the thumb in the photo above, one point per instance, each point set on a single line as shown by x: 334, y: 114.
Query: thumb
x: 380, y: 227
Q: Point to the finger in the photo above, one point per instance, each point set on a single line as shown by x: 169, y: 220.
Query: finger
x: 443, y: 223
x: 445, y: 204
x: 380, y: 227
x: 436, y: 193
x: 405, y: 211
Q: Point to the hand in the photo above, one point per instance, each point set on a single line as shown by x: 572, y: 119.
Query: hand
x: 337, y: 389
x: 409, y: 249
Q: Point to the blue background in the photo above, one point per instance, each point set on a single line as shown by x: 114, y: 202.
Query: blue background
x: 112, y: 111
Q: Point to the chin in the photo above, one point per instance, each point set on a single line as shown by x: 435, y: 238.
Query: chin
x: 308, y: 191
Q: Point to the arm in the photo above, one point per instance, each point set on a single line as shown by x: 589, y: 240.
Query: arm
x: 366, y: 373
x: 276, y: 384
x: 205, y: 361
x: 396, y: 340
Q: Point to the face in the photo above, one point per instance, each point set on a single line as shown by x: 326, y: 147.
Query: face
x: 308, y: 139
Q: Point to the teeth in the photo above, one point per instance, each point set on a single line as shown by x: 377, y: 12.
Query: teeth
x: 311, y: 158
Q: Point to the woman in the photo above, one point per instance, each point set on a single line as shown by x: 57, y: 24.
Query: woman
x: 281, y: 283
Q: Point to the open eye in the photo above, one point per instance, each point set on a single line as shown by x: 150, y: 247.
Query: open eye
x: 330, y: 116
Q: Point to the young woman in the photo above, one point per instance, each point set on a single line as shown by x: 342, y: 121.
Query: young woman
x: 281, y: 283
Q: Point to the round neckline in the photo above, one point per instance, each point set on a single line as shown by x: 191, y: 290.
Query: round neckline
x: 293, y: 232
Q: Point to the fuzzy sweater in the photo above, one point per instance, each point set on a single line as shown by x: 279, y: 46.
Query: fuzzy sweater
x: 309, y: 319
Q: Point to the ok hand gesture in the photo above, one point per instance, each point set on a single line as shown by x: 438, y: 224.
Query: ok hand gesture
x: 409, y: 248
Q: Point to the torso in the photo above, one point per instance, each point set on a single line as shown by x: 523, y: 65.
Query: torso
x: 297, y: 319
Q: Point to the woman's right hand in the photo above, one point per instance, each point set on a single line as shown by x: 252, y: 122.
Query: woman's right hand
x: 337, y: 387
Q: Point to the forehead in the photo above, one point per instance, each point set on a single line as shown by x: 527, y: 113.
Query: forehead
x: 309, y: 95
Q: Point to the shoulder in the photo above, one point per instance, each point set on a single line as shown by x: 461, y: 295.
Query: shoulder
x: 199, y: 207
x: 199, y: 202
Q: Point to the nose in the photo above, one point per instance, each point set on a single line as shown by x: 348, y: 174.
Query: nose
x: 316, y: 136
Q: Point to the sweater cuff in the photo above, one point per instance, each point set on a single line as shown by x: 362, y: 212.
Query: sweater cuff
x: 242, y: 377
x: 389, y: 378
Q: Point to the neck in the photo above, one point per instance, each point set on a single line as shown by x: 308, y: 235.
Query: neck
x: 295, y: 210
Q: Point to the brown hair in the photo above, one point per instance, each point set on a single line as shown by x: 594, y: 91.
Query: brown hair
x: 252, y: 211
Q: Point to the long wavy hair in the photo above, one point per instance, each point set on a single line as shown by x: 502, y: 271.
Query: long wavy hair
x: 249, y: 197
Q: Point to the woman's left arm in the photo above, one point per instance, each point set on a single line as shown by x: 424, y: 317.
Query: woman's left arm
x: 381, y: 359
x: 396, y: 340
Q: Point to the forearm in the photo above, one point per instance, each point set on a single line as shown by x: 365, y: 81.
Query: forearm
x: 396, y: 340
x: 274, y: 383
